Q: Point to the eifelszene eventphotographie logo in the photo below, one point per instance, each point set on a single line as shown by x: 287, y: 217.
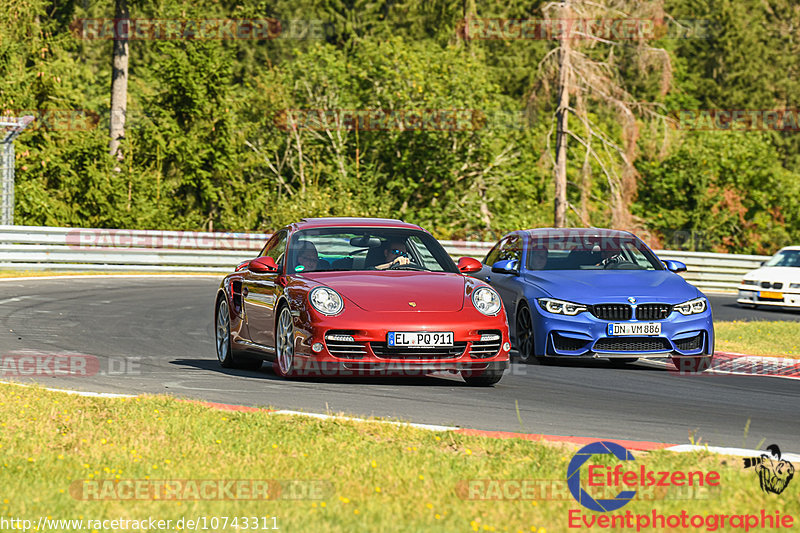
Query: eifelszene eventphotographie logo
x: 774, y: 473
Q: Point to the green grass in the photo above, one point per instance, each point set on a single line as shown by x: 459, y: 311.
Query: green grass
x: 780, y: 339
x: 379, y: 477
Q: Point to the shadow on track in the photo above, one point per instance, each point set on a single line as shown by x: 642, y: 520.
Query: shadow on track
x: 266, y: 373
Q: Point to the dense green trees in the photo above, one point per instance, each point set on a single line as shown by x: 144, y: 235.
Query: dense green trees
x: 210, y: 142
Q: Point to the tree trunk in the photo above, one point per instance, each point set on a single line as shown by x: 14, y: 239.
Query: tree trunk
x: 119, y: 78
x: 564, y: 68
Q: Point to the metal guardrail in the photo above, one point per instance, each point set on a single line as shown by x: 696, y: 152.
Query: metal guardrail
x: 89, y: 249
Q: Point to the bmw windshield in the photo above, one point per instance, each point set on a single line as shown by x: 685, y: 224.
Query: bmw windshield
x: 589, y: 252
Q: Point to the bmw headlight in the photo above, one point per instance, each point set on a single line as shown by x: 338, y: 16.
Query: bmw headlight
x: 692, y: 307
x: 326, y: 300
x: 749, y: 282
x: 486, y: 301
x: 561, y: 307
x: 794, y: 285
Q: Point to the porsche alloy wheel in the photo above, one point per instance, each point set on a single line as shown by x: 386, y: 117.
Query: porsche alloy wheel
x: 284, y: 343
x: 524, y: 335
x: 224, y: 334
x: 225, y: 355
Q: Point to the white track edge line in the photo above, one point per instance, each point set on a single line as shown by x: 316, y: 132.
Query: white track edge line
x: 740, y: 452
x: 75, y: 392
x: 431, y: 427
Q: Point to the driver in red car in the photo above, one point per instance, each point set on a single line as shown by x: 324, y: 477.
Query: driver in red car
x: 395, y: 253
x: 307, y: 257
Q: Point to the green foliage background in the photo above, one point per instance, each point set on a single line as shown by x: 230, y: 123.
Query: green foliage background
x: 204, y: 147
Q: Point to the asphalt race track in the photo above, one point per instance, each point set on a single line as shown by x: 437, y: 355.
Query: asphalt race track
x: 155, y: 335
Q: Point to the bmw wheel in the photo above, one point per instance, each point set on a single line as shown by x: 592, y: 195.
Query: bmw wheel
x: 524, y: 335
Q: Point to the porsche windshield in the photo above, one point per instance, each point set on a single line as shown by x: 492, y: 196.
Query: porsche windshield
x: 343, y: 249
x: 785, y: 258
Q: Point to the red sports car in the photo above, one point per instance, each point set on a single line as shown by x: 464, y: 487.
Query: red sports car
x: 360, y: 296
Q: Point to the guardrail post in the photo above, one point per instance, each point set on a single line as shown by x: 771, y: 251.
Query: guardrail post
x: 12, y: 127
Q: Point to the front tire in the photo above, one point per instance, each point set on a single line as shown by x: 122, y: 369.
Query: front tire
x: 284, y: 344
x: 225, y: 355
x: 524, y: 335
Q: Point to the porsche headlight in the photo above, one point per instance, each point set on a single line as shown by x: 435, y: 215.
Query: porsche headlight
x: 486, y: 301
x: 561, y: 307
x: 326, y: 300
x: 692, y: 307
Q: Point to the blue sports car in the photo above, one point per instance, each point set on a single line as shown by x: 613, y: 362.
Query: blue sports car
x: 597, y: 293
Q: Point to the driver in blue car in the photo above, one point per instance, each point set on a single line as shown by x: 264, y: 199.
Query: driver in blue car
x: 608, y: 256
x: 395, y: 253
x: 538, y: 258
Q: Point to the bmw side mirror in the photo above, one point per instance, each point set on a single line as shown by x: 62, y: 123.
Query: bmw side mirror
x: 262, y: 265
x: 675, y: 266
x: 506, y: 266
x: 467, y: 265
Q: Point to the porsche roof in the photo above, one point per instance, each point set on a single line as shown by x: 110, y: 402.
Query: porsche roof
x: 339, y: 222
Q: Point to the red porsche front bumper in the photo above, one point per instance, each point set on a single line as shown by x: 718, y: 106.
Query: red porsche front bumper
x: 342, y: 346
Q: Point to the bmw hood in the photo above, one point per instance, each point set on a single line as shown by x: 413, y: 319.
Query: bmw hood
x: 398, y: 290
x: 599, y: 286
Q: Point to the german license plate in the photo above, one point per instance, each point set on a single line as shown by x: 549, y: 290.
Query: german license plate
x: 419, y: 338
x: 772, y: 295
x: 634, y: 328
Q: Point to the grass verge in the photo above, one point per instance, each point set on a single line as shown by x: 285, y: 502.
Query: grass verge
x: 379, y: 477
x: 780, y: 339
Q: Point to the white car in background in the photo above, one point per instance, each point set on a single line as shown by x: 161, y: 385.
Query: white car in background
x: 776, y: 283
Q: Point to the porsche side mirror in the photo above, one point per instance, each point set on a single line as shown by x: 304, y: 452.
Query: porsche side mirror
x: 506, y: 266
x: 467, y: 265
x: 675, y: 266
x: 262, y: 265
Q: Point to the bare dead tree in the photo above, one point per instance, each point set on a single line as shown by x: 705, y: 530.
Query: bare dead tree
x: 596, y: 83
